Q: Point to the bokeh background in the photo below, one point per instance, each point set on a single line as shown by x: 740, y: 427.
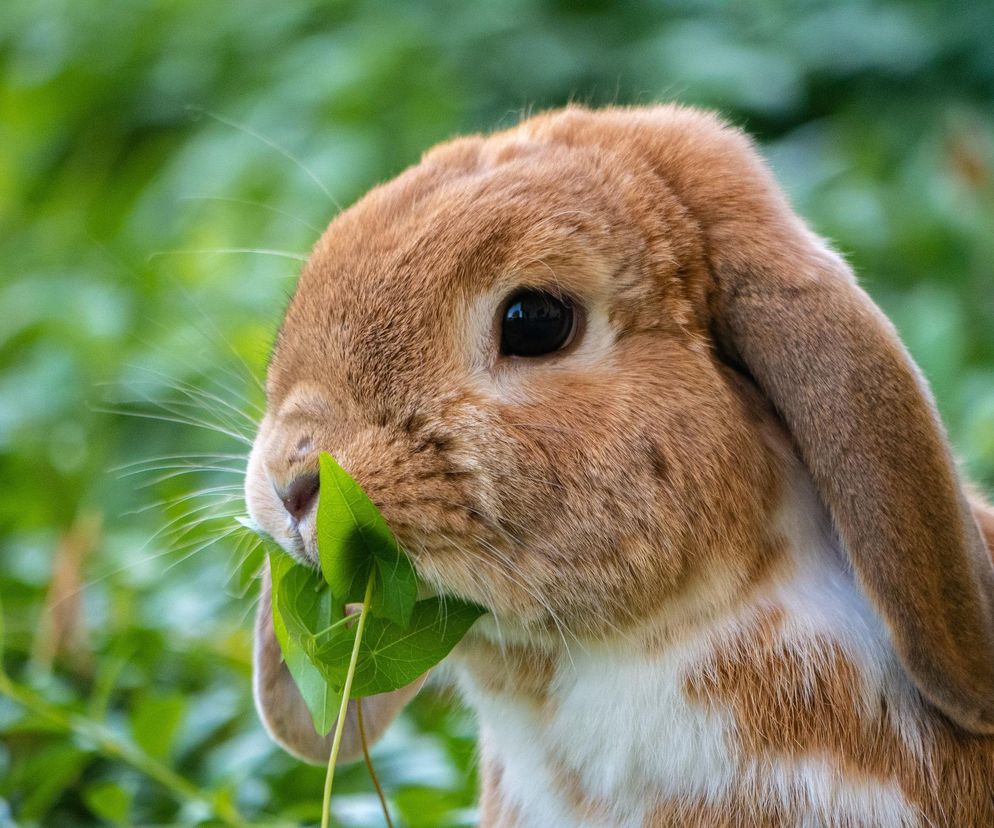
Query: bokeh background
x: 163, y: 167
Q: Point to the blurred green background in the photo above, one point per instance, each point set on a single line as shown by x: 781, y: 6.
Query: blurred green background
x: 147, y: 147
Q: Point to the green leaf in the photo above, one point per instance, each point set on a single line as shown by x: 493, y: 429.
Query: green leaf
x: 2, y: 630
x: 423, y: 807
x: 108, y: 801
x: 306, y: 606
x: 391, y: 656
x: 404, y: 637
x: 352, y: 538
x: 154, y: 722
x: 322, y: 700
x: 395, y: 590
x: 45, y: 776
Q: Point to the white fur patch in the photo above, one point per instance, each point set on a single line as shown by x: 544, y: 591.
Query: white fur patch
x: 619, y: 724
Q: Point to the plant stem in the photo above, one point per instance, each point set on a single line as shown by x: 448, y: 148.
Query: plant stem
x: 111, y: 746
x: 331, y: 627
x: 369, y: 763
x: 344, y: 708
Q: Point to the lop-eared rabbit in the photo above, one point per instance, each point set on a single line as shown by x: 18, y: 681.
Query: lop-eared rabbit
x: 602, y: 380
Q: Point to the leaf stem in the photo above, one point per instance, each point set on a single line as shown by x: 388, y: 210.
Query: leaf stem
x: 333, y: 626
x: 369, y: 763
x: 344, y: 709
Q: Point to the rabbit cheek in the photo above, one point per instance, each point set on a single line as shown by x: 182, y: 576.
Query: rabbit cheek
x: 710, y: 476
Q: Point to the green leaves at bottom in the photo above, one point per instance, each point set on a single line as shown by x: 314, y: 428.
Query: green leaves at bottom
x: 109, y: 801
x: 317, y: 642
x: 302, y: 603
x: 360, y: 559
x: 155, y: 720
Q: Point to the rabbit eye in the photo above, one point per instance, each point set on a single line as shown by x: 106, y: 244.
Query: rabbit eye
x: 534, y: 323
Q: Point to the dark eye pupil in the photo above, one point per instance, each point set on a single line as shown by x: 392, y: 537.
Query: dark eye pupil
x: 535, y: 323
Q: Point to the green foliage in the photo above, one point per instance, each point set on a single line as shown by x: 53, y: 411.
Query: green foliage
x: 391, y: 656
x: 109, y: 801
x: 304, y: 612
x: 403, y: 639
x: 353, y: 539
x: 155, y: 720
x: 333, y: 658
x: 117, y: 145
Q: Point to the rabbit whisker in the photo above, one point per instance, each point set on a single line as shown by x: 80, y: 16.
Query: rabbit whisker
x: 203, y: 395
x: 269, y: 142
x: 178, y: 471
x: 248, y: 203
x: 214, y: 251
x: 227, y: 491
x: 148, y: 415
x: 190, y: 458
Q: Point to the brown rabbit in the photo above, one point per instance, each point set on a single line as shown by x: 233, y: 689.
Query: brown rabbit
x: 602, y: 380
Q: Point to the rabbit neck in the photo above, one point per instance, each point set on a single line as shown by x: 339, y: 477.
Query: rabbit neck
x: 739, y: 718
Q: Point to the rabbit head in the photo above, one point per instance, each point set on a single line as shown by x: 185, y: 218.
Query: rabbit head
x: 625, y: 452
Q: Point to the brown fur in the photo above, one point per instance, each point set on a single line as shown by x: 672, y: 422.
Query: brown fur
x: 863, y: 418
x: 591, y: 490
x: 582, y: 805
x: 741, y: 812
x: 509, y: 479
x: 795, y: 704
x: 520, y: 672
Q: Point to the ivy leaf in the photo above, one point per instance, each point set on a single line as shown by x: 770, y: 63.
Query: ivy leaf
x: 353, y: 538
x: 391, y: 656
x: 297, y: 605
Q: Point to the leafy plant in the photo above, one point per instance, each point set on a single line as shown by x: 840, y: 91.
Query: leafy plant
x: 878, y: 117
x: 393, y: 639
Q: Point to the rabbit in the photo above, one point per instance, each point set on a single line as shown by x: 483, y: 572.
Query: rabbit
x: 603, y: 381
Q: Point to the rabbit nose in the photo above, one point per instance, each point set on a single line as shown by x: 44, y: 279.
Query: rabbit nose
x: 299, y: 495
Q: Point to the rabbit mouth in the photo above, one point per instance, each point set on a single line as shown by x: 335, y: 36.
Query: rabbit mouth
x: 298, y: 538
x: 295, y: 541
x: 301, y: 540
x: 301, y: 546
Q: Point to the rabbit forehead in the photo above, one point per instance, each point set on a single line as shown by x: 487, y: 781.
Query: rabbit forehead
x: 442, y: 224
x: 399, y: 280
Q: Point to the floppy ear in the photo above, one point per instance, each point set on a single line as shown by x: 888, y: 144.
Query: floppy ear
x: 283, y: 711
x: 788, y: 308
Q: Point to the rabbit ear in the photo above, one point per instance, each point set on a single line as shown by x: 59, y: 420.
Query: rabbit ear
x: 280, y: 706
x: 788, y: 309
x: 866, y: 427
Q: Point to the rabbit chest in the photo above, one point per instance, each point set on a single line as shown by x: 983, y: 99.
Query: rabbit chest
x: 789, y: 709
